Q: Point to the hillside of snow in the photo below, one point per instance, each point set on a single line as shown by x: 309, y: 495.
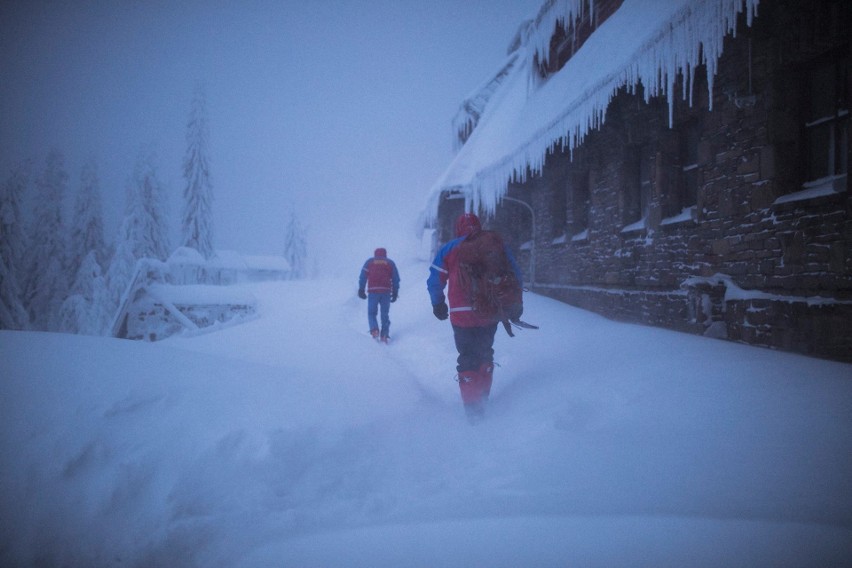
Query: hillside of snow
x: 295, y: 440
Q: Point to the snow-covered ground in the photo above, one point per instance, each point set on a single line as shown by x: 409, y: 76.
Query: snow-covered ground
x: 294, y: 440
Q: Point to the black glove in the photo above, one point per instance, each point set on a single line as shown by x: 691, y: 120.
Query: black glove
x: 441, y: 311
x: 515, y: 311
x: 394, y: 295
x: 362, y: 294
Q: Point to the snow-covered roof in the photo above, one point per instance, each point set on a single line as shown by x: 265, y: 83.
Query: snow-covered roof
x: 647, y: 42
x: 229, y: 260
x: 275, y: 263
x: 200, y: 294
x: 186, y: 255
x: 473, y: 106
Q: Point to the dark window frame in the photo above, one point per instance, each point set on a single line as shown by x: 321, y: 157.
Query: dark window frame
x: 581, y: 202
x: 689, y: 138
x: 637, y: 186
x: 825, y: 124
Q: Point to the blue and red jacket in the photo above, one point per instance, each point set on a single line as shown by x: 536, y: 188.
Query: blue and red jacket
x: 379, y: 274
x: 445, y: 270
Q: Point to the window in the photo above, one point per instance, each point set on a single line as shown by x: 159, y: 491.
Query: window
x: 637, y: 188
x: 559, y: 209
x: 645, y: 184
x: 689, y: 136
x: 827, y: 126
x: 580, y: 203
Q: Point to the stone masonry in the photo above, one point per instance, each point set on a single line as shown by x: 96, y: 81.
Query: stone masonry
x: 707, y: 226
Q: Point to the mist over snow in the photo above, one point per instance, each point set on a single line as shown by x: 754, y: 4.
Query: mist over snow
x: 290, y: 438
x: 296, y: 440
x: 339, y: 110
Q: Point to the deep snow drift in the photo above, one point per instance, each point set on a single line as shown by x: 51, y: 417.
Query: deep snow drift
x: 295, y: 440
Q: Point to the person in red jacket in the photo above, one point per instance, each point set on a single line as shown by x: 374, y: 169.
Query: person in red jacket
x: 473, y: 333
x: 379, y: 285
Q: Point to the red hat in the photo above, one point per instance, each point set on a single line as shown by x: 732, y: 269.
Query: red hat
x: 380, y: 253
x: 467, y: 224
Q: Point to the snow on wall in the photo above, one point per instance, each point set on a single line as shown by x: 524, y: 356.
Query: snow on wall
x: 645, y: 42
x: 733, y: 293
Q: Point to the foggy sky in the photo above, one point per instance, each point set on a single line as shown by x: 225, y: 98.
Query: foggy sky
x: 340, y: 109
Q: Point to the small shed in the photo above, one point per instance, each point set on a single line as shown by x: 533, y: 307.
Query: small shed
x: 155, y: 311
x: 188, y: 293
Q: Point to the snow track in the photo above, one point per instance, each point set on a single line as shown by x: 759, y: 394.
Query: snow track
x: 285, y: 440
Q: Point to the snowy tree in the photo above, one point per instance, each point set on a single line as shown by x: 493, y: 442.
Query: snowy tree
x: 87, y: 309
x: 87, y: 224
x: 143, y: 232
x: 147, y: 228
x: 120, y: 272
x: 197, y: 219
x: 12, y: 246
x: 295, y: 246
x: 46, y: 283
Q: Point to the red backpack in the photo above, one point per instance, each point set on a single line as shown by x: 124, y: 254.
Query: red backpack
x: 485, y: 270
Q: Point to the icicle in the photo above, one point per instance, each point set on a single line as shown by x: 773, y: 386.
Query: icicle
x: 551, y: 13
x: 693, y: 36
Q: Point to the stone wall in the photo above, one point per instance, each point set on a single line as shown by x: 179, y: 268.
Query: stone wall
x: 746, y: 254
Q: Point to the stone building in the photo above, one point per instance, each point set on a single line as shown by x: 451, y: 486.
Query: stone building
x: 685, y: 168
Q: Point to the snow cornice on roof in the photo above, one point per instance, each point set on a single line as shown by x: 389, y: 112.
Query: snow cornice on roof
x: 473, y: 106
x: 645, y: 42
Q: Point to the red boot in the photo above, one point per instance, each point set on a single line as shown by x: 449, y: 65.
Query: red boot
x: 474, y: 387
x: 486, y: 371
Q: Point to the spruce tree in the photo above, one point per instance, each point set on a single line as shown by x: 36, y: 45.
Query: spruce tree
x: 121, y: 271
x: 197, y: 218
x: 12, y: 247
x: 143, y: 232
x: 149, y: 231
x: 87, y: 224
x: 86, y: 310
x: 46, y: 284
x: 295, y: 246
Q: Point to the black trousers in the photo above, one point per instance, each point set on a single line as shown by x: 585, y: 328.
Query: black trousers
x: 475, y: 346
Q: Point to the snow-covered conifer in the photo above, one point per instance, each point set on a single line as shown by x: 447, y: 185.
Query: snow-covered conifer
x: 86, y: 310
x: 295, y: 246
x: 87, y: 224
x: 143, y: 232
x: 12, y: 312
x: 12, y: 246
x: 121, y: 270
x: 148, y: 226
x: 46, y: 284
x: 197, y: 218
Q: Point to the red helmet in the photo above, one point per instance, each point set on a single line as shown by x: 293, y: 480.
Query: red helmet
x: 467, y: 224
x: 380, y: 253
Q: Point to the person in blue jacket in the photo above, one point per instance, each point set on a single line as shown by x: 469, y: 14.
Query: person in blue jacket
x: 473, y: 333
x: 379, y: 285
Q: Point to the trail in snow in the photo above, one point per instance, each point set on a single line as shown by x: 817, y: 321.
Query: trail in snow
x: 286, y: 439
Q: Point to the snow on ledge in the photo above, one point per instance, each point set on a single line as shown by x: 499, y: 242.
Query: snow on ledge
x: 685, y: 215
x: 581, y: 236
x: 733, y: 293
x: 831, y: 185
